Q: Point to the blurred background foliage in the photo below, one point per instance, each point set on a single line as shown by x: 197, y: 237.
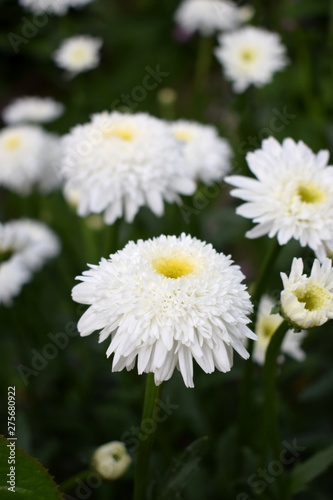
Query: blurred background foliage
x: 75, y: 403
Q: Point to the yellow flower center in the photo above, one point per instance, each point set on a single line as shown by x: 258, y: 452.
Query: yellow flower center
x: 183, y: 135
x: 12, y: 142
x: 310, y: 193
x: 79, y: 54
x: 173, y: 267
x: 123, y: 132
x: 248, y: 55
x: 312, y: 296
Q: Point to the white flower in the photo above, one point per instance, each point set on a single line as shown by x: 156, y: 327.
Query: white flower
x: 293, y: 196
x: 29, y: 157
x: 166, y: 301
x: 32, y: 109
x: 111, y: 460
x: 57, y: 7
x: 119, y: 162
x: 22, y: 155
x: 207, y: 154
x: 208, y: 16
x: 266, y: 326
x: 24, y: 247
x: 78, y: 53
x: 250, y: 56
x: 307, y: 301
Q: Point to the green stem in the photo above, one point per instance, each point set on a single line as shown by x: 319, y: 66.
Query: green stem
x: 152, y: 396
x: 69, y: 483
x: 270, y: 423
x: 203, y: 63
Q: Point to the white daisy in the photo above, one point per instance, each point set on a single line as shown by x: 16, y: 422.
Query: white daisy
x: 208, y: 155
x: 111, y: 460
x: 250, y: 56
x: 208, y: 16
x: 32, y: 109
x: 78, y: 54
x: 266, y: 326
x: 57, y: 7
x: 166, y: 301
x: 24, y: 247
x: 307, y: 301
x: 23, y: 150
x: 119, y: 162
x: 293, y: 196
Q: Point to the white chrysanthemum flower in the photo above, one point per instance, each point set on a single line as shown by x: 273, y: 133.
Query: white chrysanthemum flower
x: 208, y: 155
x: 166, y: 301
x: 266, y: 325
x: 29, y: 157
x: 208, y: 16
x: 111, y: 460
x: 120, y: 162
x: 24, y: 247
x: 57, y: 7
x: 22, y: 154
x: 250, y: 56
x: 293, y: 196
x: 307, y: 301
x: 78, y: 54
x: 32, y: 109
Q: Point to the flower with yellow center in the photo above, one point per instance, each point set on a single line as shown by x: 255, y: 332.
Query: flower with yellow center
x: 121, y: 162
x: 208, y: 156
x: 78, y: 54
x: 266, y: 325
x: 165, y: 302
x: 111, y: 460
x: 250, y: 56
x: 292, y: 195
x: 307, y: 301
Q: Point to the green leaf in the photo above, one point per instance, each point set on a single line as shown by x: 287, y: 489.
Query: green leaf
x: 304, y: 473
x: 178, y: 474
x: 32, y: 481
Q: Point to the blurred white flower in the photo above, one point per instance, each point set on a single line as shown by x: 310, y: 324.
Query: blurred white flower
x: 208, y: 16
x: 266, y: 326
x: 111, y: 460
x: 166, y: 301
x: 78, y: 53
x: 307, y: 301
x: 118, y: 163
x: 23, y: 150
x: 208, y: 155
x: 57, y: 7
x: 25, y: 245
x: 29, y: 157
x: 293, y: 196
x: 250, y: 56
x: 32, y: 109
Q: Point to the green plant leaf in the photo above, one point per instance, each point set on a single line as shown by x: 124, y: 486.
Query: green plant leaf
x: 32, y: 481
x: 304, y: 473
